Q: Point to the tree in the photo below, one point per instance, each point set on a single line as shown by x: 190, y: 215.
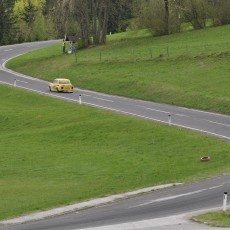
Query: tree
x: 31, y: 20
x: 166, y: 21
x: 195, y: 12
x: 60, y: 13
x: 160, y: 16
x: 92, y: 17
x: 7, y: 22
x: 218, y: 11
x: 119, y: 14
x: 26, y: 9
x: 39, y: 29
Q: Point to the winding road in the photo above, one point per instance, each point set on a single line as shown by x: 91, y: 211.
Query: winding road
x: 147, y: 211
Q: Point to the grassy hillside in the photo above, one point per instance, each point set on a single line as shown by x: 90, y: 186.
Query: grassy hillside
x: 54, y: 153
x: 188, y: 69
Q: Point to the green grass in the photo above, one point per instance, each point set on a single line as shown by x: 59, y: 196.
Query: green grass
x: 217, y: 219
x: 189, y: 69
x: 54, y: 153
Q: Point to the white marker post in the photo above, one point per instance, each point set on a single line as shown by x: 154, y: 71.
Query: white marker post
x: 80, y: 99
x: 15, y: 82
x: 169, y: 119
x: 225, y: 201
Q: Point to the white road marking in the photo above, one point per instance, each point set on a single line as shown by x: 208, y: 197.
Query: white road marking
x: 7, y: 50
x: 102, y: 99
x: 157, y: 110
x: 174, y: 197
x: 22, y: 81
x: 124, y: 112
x: 5, y: 83
x: 32, y: 46
x: 200, y: 111
x: 83, y: 205
x: 18, y: 74
x: 162, y: 111
x: 218, y: 123
x: 180, y: 115
x: 218, y: 186
x: 183, y: 115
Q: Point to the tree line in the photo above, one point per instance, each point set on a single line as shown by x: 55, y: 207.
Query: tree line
x: 92, y: 20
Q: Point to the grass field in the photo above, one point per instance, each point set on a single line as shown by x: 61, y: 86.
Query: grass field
x: 189, y: 69
x: 54, y: 153
x: 217, y: 219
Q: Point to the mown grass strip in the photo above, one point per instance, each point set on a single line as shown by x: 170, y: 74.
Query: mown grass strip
x: 54, y: 153
x: 215, y: 219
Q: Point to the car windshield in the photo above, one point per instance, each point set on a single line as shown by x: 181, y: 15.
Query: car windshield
x: 64, y: 82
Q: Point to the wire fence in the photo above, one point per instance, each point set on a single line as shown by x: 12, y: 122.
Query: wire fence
x: 152, y: 52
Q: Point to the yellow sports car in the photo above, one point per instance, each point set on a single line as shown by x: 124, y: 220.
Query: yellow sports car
x: 61, y: 85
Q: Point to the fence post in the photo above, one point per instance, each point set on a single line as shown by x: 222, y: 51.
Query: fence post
x: 151, y: 53
x: 168, y: 51
x: 107, y: 56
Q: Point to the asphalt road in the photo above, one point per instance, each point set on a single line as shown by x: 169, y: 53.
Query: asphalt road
x: 153, y: 206
x: 159, y: 208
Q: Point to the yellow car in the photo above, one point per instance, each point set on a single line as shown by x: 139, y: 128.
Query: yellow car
x: 61, y: 85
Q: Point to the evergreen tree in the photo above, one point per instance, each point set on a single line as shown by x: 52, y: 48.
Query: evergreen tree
x: 7, y: 22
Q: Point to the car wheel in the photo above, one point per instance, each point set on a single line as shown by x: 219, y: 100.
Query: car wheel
x: 57, y: 90
x: 49, y: 88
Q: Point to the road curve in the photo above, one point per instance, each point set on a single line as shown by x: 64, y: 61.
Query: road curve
x: 209, y: 123
x: 174, y: 201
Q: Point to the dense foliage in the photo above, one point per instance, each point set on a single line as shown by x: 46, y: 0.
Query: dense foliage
x: 92, y: 20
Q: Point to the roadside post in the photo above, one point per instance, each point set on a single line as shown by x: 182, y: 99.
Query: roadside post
x: 80, y: 99
x: 225, y: 201
x: 169, y: 119
x: 15, y: 82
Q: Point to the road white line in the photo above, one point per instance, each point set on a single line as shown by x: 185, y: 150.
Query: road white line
x: 166, y: 198
x: 6, y: 83
x: 180, y: 115
x: 183, y: 115
x: 218, y: 123
x: 22, y: 81
x: 16, y: 73
x: 205, y: 112
x: 202, y: 131
x: 160, y: 121
x: 7, y: 50
x: 102, y: 99
x: 87, y: 95
x: 128, y: 113
x: 83, y: 205
x: 174, y: 197
x: 162, y: 111
x: 218, y: 186
x: 157, y: 110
